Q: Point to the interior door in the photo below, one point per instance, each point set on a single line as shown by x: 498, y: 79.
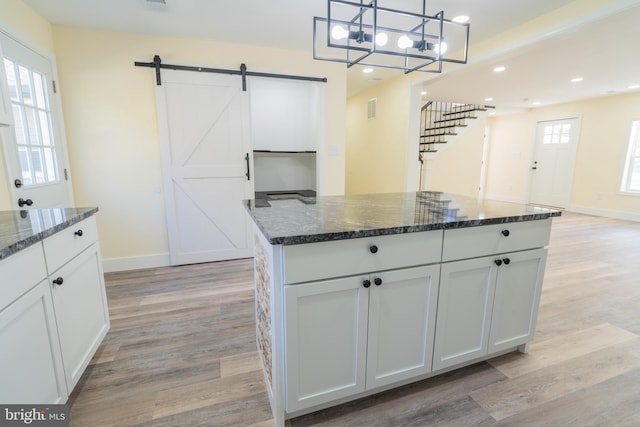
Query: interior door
x: 553, y: 162
x: 34, y: 149
x: 204, y: 122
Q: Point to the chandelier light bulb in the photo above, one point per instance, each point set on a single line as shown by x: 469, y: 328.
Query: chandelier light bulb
x: 381, y: 39
x: 338, y: 32
x: 404, y: 42
x: 440, y: 48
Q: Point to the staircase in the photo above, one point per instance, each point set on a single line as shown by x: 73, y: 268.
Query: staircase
x: 440, y: 121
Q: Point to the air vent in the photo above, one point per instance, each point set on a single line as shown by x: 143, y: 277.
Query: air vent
x: 371, y: 108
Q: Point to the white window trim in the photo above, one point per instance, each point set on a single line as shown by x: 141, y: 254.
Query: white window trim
x: 632, y: 142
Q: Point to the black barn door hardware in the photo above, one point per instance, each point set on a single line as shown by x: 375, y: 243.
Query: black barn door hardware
x: 157, y: 64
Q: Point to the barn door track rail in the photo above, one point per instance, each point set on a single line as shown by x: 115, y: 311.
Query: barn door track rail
x: 157, y: 64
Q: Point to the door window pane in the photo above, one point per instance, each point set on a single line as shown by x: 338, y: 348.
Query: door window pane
x: 25, y: 85
x: 40, y: 85
x: 557, y: 134
x: 32, y: 124
x: 11, y: 79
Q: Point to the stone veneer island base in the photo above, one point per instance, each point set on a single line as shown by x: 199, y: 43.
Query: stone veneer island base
x: 360, y: 294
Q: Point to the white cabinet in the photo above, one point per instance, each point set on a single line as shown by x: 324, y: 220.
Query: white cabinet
x: 517, y: 296
x: 486, y: 305
x: 325, y: 339
x: 31, y: 367
x: 353, y: 334
x: 77, y: 281
x: 81, y: 311
x: 53, y: 315
x: 350, y: 318
x: 402, y: 314
x: 464, y: 311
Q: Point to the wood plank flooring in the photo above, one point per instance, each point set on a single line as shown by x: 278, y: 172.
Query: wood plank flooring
x: 181, y: 350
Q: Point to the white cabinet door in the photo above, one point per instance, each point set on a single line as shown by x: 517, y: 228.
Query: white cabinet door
x: 464, y: 311
x: 81, y: 311
x: 515, y: 307
x: 31, y: 365
x: 402, y: 314
x: 326, y: 340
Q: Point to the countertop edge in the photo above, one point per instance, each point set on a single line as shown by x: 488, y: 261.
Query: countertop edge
x: 325, y: 237
x: 16, y: 247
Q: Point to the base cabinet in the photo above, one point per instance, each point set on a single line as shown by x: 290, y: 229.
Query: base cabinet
x: 516, y: 301
x: 31, y: 368
x: 53, y: 315
x: 486, y: 305
x: 349, y: 335
x: 81, y: 312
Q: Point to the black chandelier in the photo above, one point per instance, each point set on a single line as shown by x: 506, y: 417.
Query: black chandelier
x: 373, y: 35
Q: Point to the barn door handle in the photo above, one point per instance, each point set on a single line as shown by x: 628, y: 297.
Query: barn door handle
x: 248, y: 174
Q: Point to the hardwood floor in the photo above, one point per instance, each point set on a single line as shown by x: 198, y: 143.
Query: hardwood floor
x: 181, y: 350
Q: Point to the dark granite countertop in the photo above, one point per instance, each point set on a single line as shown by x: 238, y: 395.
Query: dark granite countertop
x: 23, y: 228
x: 317, y: 219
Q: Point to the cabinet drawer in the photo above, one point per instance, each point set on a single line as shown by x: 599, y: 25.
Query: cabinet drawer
x: 314, y: 261
x: 462, y: 243
x: 62, y: 246
x: 20, y: 272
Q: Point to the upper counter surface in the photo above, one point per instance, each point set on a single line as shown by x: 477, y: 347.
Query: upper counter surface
x: 317, y: 219
x: 23, y: 228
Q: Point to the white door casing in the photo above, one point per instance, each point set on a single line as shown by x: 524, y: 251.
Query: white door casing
x: 34, y: 144
x: 553, y: 162
x: 204, y: 126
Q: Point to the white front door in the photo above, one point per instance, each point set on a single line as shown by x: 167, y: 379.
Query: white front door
x: 553, y: 162
x: 204, y: 122
x: 34, y: 149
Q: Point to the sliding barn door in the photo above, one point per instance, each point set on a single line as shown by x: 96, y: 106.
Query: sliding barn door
x: 204, y: 124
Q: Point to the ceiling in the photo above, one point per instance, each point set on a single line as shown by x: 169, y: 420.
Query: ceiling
x: 602, y: 51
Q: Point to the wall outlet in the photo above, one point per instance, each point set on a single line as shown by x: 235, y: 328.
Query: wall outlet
x: 599, y: 196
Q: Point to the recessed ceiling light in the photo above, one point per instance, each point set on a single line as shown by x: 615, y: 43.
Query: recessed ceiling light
x: 576, y: 80
x: 488, y: 99
x: 493, y: 113
x: 536, y: 103
x: 499, y: 69
x: 424, y: 92
x: 461, y: 19
x: 633, y: 87
x: 367, y: 70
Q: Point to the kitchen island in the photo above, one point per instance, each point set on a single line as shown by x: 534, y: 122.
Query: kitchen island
x: 53, y: 306
x: 360, y: 294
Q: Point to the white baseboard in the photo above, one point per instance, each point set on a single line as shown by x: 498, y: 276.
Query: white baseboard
x: 628, y: 216
x: 135, y: 263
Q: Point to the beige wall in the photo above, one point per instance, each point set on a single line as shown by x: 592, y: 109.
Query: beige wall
x: 376, y: 148
x: 19, y: 20
x: 110, y: 112
x: 604, y: 134
x: 369, y: 143
x: 456, y: 169
x: 110, y: 119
